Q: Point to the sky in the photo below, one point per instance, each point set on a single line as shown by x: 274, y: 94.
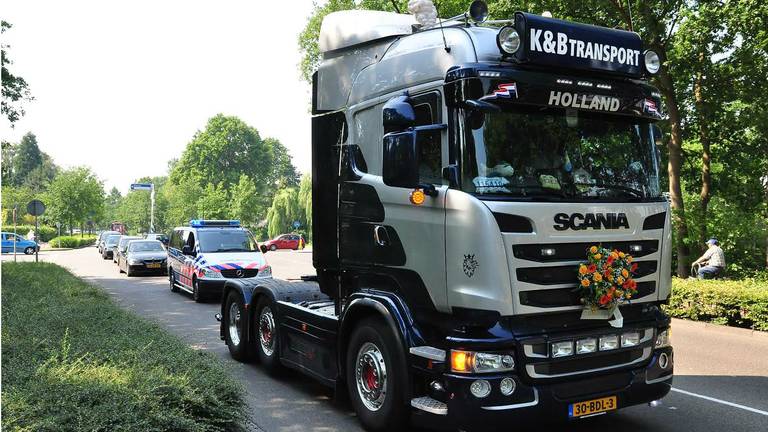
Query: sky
x: 122, y: 86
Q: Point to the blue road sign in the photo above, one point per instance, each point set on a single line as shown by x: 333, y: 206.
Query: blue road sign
x: 141, y: 186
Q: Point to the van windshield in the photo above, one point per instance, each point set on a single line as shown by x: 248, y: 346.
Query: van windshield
x: 557, y: 154
x: 226, y: 240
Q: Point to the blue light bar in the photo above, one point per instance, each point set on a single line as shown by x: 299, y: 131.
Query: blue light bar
x: 200, y: 223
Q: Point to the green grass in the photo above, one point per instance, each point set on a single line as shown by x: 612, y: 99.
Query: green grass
x: 738, y: 303
x: 72, y: 360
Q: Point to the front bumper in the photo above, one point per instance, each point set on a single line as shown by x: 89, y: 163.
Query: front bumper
x: 536, y: 403
x: 211, y: 286
x: 142, y: 268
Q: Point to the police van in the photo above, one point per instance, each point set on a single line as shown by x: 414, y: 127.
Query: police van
x: 203, y: 255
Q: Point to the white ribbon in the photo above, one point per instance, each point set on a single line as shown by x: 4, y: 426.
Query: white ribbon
x: 604, y: 314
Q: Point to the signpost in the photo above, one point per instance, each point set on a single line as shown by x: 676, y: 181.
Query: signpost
x: 15, y: 235
x: 296, y: 224
x: 151, y: 188
x: 36, y: 208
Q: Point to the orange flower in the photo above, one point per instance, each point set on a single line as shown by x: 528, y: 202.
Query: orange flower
x: 598, y: 256
x: 582, y: 269
x: 629, y: 258
x: 604, y: 300
x: 622, y: 254
x: 585, y: 282
x: 593, y: 249
x: 610, y: 277
x: 614, y: 255
x: 619, y: 280
x: 624, y: 273
x: 618, y: 294
x: 597, y: 277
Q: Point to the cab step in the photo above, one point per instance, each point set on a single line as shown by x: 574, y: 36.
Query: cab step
x: 426, y: 403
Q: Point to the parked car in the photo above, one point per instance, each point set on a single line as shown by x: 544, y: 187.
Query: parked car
x: 22, y: 245
x: 283, y: 241
x: 162, y: 238
x: 102, y: 237
x: 110, y: 244
x: 143, y: 256
x: 122, y: 244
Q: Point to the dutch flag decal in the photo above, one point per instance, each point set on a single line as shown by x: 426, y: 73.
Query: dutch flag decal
x: 506, y: 91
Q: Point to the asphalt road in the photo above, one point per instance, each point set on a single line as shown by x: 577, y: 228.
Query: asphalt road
x: 721, y: 374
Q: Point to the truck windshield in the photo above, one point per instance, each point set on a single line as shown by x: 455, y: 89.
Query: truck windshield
x: 227, y: 240
x: 559, y: 154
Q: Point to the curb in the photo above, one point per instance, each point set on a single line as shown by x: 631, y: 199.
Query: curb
x: 722, y: 328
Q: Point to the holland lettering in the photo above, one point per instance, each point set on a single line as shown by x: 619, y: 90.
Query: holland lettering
x: 584, y: 101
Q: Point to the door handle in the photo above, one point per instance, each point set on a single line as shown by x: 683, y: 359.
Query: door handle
x: 380, y: 235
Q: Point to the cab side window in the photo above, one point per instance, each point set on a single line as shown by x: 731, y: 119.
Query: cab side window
x: 191, y: 240
x: 428, y: 110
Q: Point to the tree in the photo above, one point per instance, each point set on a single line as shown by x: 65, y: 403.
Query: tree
x: 247, y: 205
x: 27, y: 157
x: 214, y: 203
x: 305, y: 203
x: 284, y: 210
x: 14, y: 89
x: 73, y: 196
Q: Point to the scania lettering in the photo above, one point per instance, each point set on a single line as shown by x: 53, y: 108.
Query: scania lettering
x: 453, y: 202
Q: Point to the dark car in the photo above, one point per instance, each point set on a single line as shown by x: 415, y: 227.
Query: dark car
x: 283, y: 241
x: 162, y: 238
x: 122, y: 245
x: 147, y: 256
x: 102, y: 237
x: 109, y: 246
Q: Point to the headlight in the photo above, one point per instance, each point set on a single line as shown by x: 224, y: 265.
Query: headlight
x: 265, y: 272
x: 508, y: 40
x: 212, y: 274
x: 562, y: 349
x: 479, y: 362
x: 652, y: 62
x: 134, y: 262
x: 663, y: 339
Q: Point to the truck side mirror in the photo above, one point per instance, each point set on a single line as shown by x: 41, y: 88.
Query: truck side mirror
x: 400, y: 164
x: 398, y: 114
x: 658, y: 135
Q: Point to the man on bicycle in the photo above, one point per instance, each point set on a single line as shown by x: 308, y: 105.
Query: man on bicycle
x: 713, y: 260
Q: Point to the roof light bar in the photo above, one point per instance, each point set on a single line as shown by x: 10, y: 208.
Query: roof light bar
x: 199, y: 223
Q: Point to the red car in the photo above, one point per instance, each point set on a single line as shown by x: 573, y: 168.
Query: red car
x: 283, y: 241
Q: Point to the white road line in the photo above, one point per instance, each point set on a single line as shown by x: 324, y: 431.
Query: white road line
x: 735, y: 405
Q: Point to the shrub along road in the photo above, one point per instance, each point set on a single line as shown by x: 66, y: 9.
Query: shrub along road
x: 721, y: 378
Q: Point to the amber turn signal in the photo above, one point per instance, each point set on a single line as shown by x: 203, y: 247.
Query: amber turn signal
x: 417, y: 197
x: 460, y: 361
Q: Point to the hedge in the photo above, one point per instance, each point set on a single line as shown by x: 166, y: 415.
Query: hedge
x: 72, y: 241
x: 45, y: 233
x: 738, y: 303
x: 73, y: 360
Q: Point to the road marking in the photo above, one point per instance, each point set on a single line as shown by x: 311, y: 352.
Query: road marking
x: 735, y: 405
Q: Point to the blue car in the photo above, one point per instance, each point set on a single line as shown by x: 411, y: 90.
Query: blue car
x: 22, y: 245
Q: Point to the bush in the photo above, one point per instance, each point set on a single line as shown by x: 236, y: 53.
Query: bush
x: 44, y: 234
x: 72, y: 241
x: 742, y: 303
x: 72, y: 360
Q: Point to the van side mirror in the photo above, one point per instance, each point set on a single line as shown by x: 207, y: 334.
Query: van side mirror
x: 263, y: 248
x: 187, y: 250
x: 400, y: 164
x: 398, y: 114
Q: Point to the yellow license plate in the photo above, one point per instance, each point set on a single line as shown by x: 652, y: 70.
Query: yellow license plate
x: 153, y: 265
x: 594, y: 406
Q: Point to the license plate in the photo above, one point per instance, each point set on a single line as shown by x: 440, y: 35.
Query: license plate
x: 594, y: 406
x: 153, y: 265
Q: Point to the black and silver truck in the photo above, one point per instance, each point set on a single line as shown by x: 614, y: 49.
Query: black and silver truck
x: 461, y: 171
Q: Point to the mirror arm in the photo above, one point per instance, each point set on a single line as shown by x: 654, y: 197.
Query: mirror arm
x: 428, y: 188
x: 480, y: 105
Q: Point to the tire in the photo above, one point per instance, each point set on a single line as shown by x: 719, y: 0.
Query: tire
x: 373, y: 352
x: 119, y: 268
x: 273, y: 247
x: 172, y: 281
x: 29, y: 251
x: 266, y: 338
x: 197, y: 296
x: 235, y: 322
x: 128, y: 271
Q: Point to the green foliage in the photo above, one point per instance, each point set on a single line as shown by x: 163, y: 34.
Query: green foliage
x: 75, y: 241
x: 285, y: 209
x: 14, y: 89
x: 44, y: 233
x: 736, y: 303
x: 73, y: 360
x: 74, y: 197
x: 305, y: 204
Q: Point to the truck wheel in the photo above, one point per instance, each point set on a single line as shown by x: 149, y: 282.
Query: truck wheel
x: 376, y: 377
x: 267, y: 340
x: 197, y: 296
x: 172, y: 281
x: 29, y: 251
x: 234, y: 327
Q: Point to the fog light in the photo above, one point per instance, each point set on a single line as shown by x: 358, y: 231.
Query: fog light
x: 507, y: 386
x: 548, y: 252
x: 635, y: 248
x: 586, y: 346
x: 609, y: 343
x: 562, y: 349
x: 630, y: 339
x: 663, y: 361
x: 480, y: 388
x: 662, y: 339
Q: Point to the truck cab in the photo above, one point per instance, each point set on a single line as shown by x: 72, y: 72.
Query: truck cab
x: 461, y: 173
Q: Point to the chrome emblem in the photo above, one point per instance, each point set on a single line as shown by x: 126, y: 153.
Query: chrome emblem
x: 239, y: 273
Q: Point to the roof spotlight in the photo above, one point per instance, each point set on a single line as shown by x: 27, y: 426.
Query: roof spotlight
x: 652, y: 62
x: 478, y: 11
x: 508, y: 40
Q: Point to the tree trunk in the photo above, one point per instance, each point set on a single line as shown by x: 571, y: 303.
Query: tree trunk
x: 674, y: 147
x: 706, y: 174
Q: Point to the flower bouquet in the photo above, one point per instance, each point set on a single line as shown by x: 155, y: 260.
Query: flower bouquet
x: 605, y: 282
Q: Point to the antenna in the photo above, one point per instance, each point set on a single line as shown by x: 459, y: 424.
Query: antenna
x: 629, y: 9
x: 394, y: 5
x: 440, y: 21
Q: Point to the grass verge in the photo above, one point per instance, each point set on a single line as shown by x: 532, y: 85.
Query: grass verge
x: 75, y: 241
x: 73, y: 360
x: 738, y: 303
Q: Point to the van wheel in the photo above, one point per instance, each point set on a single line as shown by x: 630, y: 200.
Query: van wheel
x: 234, y: 327
x: 267, y: 340
x: 376, y: 377
x: 172, y: 280
x: 197, y: 296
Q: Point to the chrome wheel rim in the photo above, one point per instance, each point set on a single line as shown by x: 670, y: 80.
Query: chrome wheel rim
x: 234, y: 323
x: 267, y: 331
x: 371, y: 376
